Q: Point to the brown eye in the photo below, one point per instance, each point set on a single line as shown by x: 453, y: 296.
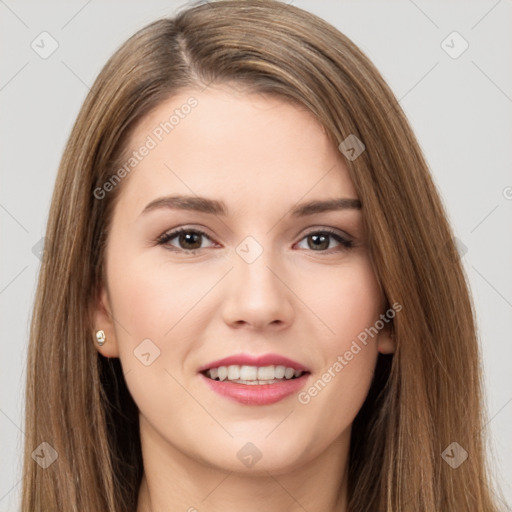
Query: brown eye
x: 190, y: 240
x: 319, y: 241
x: 187, y: 239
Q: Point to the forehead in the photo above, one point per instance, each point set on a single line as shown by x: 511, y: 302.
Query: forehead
x: 235, y: 145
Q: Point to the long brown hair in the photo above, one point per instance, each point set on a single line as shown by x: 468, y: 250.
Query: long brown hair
x: 423, y: 398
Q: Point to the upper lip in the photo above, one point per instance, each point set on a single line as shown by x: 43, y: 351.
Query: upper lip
x: 249, y: 360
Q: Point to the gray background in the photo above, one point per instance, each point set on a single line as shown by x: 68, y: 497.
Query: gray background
x: 460, y: 109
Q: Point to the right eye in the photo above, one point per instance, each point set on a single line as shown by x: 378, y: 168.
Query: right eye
x: 188, y: 240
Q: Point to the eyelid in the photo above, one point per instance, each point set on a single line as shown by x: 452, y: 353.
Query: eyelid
x: 325, y: 229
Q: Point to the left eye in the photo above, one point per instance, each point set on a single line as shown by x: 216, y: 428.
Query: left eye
x: 320, y: 240
x: 189, y: 240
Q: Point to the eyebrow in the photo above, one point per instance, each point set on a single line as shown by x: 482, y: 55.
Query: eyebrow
x: 215, y: 207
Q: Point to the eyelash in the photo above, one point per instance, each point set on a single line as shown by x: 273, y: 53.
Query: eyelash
x: 168, y: 236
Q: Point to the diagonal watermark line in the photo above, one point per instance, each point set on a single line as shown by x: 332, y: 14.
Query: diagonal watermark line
x: 75, y: 15
x: 494, y: 416
x: 121, y: 325
x: 17, y: 426
x: 187, y: 312
x: 286, y: 4
x: 439, y: 361
x: 200, y: 404
x: 11, y: 489
x: 485, y: 14
x: 206, y: 85
x: 3, y: 3
x: 305, y: 194
x: 288, y: 492
x: 492, y: 81
x: 116, y: 321
x: 484, y: 218
x: 424, y: 14
x: 419, y: 81
x: 14, y: 218
x: 301, y: 300
x: 76, y: 75
x: 293, y: 410
x: 415, y: 85
x: 13, y: 279
x: 217, y: 486
x: 493, y: 287
x: 14, y: 76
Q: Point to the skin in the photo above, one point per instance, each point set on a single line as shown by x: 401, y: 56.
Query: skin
x: 261, y: 156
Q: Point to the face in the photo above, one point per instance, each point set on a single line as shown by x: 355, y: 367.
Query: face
x: 251, y: 275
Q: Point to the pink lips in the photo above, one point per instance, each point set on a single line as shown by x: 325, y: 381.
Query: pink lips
x: 248, y: 360
x: 256, y: 394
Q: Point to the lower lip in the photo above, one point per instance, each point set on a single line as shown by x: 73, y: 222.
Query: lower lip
x: 258, y: 394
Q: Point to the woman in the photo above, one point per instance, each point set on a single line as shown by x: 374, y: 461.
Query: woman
x: 250, y: 295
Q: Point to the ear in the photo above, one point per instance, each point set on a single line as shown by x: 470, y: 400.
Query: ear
x: 103, y: 320
x: 385, y: 341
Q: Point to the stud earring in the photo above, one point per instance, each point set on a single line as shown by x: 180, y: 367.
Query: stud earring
x: 100, y: 336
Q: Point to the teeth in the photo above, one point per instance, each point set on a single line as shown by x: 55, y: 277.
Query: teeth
x: 248, y: 373
x: 253, y: 374
x: 223, y: 373
x: 279, y: 371
x: 254, y: 382
x: 233, y: 372
x: 266, y: 373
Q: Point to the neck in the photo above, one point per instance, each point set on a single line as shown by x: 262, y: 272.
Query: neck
x: 173, y: 480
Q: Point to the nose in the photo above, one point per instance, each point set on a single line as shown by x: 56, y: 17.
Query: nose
x: 257, y: 295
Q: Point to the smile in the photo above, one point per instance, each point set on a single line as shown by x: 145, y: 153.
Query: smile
x: 253, y: 385
x: 250, y: 375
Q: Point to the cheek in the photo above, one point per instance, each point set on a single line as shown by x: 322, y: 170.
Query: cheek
x: 348, y: 346
x: 163, y: 302
x: 154, y: 298
x: 153, y: 309
x: 346, y: 300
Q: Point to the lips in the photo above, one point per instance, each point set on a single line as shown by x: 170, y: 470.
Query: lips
x: 275, y: 379
x: 260, y: 361
x: 257, y: 395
